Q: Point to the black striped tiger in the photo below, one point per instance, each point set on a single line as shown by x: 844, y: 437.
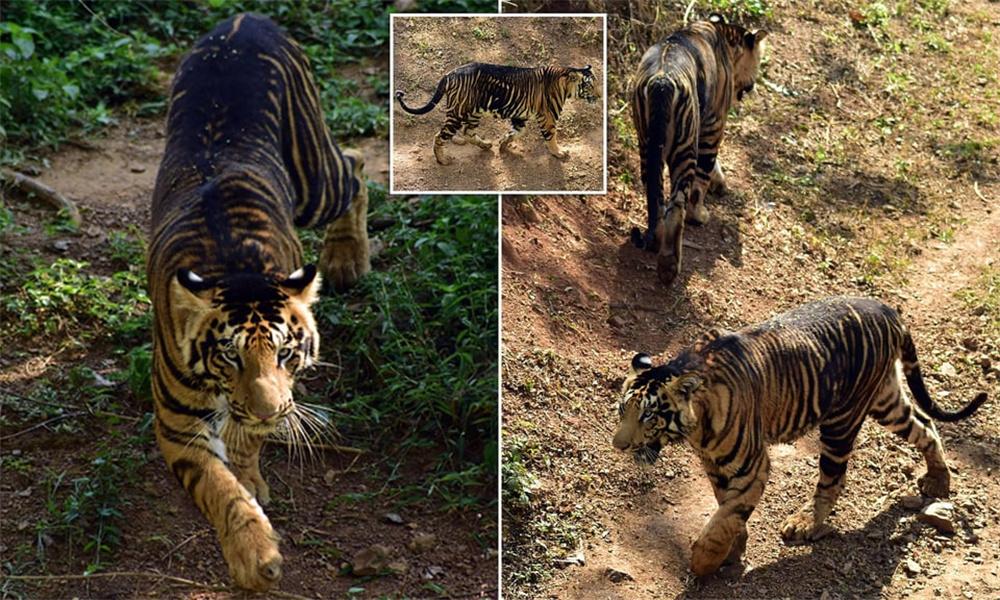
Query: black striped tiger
x: 684, y: 88
x: 515, y: 93
x: 829, y: 364
x: 248, y: 158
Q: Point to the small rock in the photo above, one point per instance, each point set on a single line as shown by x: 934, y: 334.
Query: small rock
x: 422, y: 542
x: 137, y: 169
x: 985, y: 363
x: 432, y: 572
x: 616, y: 321
x: 912, y: 568
x: 936, y: 547
x: 61, y: 245
x: 576, y: 559
x: 825, y: 595
x: 971, y: 343
x: 393, y: 518
x: 370, y: 561
x: 947, y: 370
x: 912, y: 502
x: 616, y: 576
x: 330, y: 476
x: 15, y: 452
x: 939, y: 515
x: 398, y: 567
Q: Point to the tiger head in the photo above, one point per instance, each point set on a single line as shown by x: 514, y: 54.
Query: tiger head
x: 583, y: 79
x: 244, y: 338
x: 746, y: 47
x: 656, y: 408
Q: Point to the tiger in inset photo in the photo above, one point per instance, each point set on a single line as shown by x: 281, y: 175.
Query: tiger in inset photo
x: 827, y: 364
x: 517, y: 94
x: 248, y: 159
x: 683, y: 91
x: 540, y: 77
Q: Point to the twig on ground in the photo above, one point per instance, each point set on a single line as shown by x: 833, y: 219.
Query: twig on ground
x: 169, y: 556
x: 975, y: 187
x: 322, y: 446
x: 216, y: 587
x: 687, y: 12
x: 34, y: 188
x: 42, y: 424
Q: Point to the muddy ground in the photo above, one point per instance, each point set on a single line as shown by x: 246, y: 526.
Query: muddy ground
x: 847, y: 176
x: 327, y: 509
x: 427, y: 48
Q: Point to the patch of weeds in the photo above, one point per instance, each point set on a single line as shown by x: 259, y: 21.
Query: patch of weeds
x: 127, y: 247
x: 53, y: 297
x: 983, y: 299
x: 937, y: 43
x: 18, y: 464
x: 85, y: 510
x: 741, y: 9
x: 417, y: 341
x: 622, y: 122
x: 519, y: 484
x: 61, y: 224
x: 483, y: 34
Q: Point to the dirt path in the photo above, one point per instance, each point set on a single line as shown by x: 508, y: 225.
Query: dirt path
x: 902, y: 219
x: 327, y: 510
x: 426, y: 49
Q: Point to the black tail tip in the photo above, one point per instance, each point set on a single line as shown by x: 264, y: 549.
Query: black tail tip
x: 399, y: 95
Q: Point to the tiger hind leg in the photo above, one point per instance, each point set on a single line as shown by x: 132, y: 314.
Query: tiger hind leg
x: 897, y: 414
x: 452, y: 123
x: 809, y: 524
x: 345, y: 257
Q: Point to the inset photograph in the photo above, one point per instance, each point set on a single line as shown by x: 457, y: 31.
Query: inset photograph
x: 498, y: 104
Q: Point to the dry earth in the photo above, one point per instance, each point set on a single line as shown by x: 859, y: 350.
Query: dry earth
x: 326, y: 510
x: 891, y: 209
x: 427, y: 48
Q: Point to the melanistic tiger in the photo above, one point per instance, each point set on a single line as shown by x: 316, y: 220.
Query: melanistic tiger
x: 827, y: 364
x: 248, y: 158
x: 515, y: 93
x: 684, y: 88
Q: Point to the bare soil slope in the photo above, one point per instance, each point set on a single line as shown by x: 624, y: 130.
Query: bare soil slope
x: 428, y: 48
x: 840, y: 183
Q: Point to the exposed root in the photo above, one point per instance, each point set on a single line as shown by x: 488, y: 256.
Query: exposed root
x: 33, y: 188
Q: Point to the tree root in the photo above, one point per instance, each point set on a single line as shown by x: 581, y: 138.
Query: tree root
x: 36, y: 189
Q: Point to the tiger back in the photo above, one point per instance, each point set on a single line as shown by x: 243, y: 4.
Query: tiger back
x: 247, y: 159
x: 517, y: 94
x: 683, y: 90
x: 828, y: 364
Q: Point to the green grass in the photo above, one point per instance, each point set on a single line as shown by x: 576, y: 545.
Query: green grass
x: 68, y: 67
x: 416, y: 342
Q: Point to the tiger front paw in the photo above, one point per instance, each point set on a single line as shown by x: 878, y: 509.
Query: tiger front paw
x: 345, y: 262
x: 258, y: 488
x: 252, y: 555
x: 707, y: 555
x: 802, y: 527
x: 561, y: 154
x: 698, y: 215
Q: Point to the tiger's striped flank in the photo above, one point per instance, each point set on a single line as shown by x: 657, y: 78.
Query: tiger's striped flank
x: 514, y: 93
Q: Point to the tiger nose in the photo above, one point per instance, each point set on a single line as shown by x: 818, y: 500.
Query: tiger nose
x: 621, y: 442
x: 265, y: 414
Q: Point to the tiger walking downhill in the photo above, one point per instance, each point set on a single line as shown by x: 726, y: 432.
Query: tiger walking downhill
x: 827, y: 364
x: 248, y: 158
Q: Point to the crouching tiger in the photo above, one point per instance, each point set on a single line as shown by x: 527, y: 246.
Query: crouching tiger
x: 829, y: 364
x: 684, y: 88
x: 248, y: 158
x: 515, y: 93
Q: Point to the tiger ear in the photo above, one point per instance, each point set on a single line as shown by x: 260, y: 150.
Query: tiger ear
x: 641, y: 362
x: 754, y: 38
x: 189, y: 294
x: 717, y: 18
x: 304, y: 284
x: 686, y: 384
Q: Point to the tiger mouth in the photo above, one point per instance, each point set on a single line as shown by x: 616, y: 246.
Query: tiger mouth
x: 743, y: 91
x: 648, y: 454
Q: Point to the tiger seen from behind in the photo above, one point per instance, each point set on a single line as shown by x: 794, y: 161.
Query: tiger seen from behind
x: 514, y: 93
x: 683, y: 90
x: 248, y: 158
x: 827, y: 364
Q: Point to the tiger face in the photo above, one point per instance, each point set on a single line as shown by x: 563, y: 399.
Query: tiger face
x: 245, y: 338
x: 585, y: 85
x: 656, y: 408
x: 746, y: 61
